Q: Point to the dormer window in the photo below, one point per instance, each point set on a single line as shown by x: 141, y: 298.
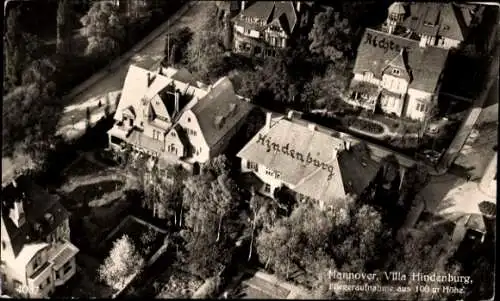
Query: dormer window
x: 396, y: 72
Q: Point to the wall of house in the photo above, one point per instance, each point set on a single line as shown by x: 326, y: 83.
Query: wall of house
x: 366, y: 77
x: 42, y: 255
x: 45, y: 278
x: 172, y: 139
x: 149, y: 130
x: 189, y: 122
x: 67, y: 271
x: 266, y: 175
x: 417, y: 98
x: 447, y: 43
x: 391, y: 104
x: 394, y: 84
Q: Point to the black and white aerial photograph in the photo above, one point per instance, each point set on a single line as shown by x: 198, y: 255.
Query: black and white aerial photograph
x: 182, y: 149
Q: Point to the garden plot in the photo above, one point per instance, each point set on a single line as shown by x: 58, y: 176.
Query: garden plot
x: 146, y: 237
x: 179, y: 284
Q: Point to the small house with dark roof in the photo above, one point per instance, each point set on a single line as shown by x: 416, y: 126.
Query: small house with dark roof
x: 170, y: 115
x: 397, y: 74
x: 37, y: 255
x: 315, y: 163
x: 263, y: 27
x: 444, y: 25
x: 211, y: 122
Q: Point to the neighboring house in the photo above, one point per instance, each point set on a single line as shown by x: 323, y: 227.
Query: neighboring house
x: 169, y: 115
x: 306, y: 159
x: 444, y: 25
x: 397, y: 75
x: 37, y: 255
x: 264, y: 27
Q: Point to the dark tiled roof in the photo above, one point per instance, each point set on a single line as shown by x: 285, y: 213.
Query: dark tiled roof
x: 184, y: 76
x: 357, y: 169
x: 424, y: 64
x: 37, y: 204
x: 220, y: 103
x: 448, y: 19
x: 270, y: 11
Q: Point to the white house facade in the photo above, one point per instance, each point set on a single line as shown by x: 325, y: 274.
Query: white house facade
x: 37, y: 255
x: 396, y: 75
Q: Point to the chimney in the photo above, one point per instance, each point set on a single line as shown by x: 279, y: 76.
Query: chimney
x: 17, y: 214
x: 311, y: 127
x: 243, y: 5
x: 347, y: 145
x: 268, y: 120
x: 151, y: 78
x: 289, y: 115
x: 298, y: 6
x: 176, y: 102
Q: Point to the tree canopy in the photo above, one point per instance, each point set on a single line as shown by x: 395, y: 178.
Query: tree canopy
x: 123, y: 261
x: 103, y: 27
x: 331, y: 36
x: 15, y: 50
x: 312, y: 241
x: 64, y: 28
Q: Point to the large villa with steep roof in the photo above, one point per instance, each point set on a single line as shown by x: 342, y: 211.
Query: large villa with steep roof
x: 171, y: 116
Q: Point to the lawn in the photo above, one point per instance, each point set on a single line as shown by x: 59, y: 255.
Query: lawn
x: 86, y: 193
x: 83, y: 167
x: 363, y: 125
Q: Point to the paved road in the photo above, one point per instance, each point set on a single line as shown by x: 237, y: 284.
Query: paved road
x: 147, y: 56
x: 467, y: 125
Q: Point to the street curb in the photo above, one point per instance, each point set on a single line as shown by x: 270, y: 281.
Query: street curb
x: 127, y: 55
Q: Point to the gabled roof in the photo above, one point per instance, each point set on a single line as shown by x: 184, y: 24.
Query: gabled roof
x: 221, y: 102
x: 398, y: 62
x: 424, y: 64
x: 444, y: 19
x: 318, y: 177
x: 281, y: 11
x: 37, y: 204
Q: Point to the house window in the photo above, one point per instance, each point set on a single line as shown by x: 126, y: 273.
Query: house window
x: 173, y: 134
x: 189, y: 119
x: 131, y: 122
x: 4, y: 245
x: 67, y: 267
x: 36, y: 262
x: 396, y: 72
x: 172, y: 149
x: 253, y: 166
x: 277, y: 174
x: 267, y: 188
